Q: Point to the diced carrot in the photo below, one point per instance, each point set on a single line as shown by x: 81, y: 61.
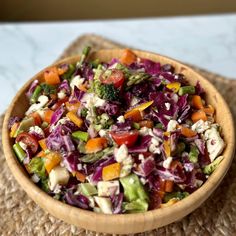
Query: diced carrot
x: 72, y: 106
x: 197, y: 102
x: 52, y: 159
x: 51, y: 76
x: 95, y: 144
x: 175, y: 86
x: 187, y: 132
x: 169, y: 186
x: 209, y: 110
x: 48, y: 115
x: 199, y: 115
x: 166, y: 145
x: 43, y: 144
x: 41, y: 154
x: 14, y: 129
x: 79, y: 176
x: 111, y: 172
x: 37, y: 118
x: 128, y: 57
x: 146, y: 123
x: 83, y: 87
x: 74, y: 118
x: 134, y: 115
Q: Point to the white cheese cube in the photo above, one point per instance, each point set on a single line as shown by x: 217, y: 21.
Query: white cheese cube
x: 214, y: 142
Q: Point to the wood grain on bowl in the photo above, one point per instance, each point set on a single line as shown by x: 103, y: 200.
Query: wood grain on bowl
x: 129, y: 223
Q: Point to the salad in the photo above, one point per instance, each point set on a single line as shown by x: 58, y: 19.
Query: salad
x: 124, y: 136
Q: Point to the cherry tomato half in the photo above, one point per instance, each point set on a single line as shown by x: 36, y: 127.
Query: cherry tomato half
x: 116, y: 78
x: 29, y: 140
x: 125, y: 137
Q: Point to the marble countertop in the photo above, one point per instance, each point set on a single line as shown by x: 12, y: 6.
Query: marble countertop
x: 205, y: 41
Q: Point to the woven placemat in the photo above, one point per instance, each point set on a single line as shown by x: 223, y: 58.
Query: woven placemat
x: 19, y: 215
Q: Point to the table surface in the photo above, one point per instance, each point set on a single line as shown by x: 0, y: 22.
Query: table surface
x: 205, y: 41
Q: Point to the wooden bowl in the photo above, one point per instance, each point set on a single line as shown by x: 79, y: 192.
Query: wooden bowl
x: 129, y: 223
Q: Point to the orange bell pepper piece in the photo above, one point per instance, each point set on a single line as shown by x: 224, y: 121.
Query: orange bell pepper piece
x: 187, y: 132
x: 43, y: 144
x: 197, y: 102
x: 111, y: 172
x: 37, y: 118
x: 72, y: 106
x: 41, y: 154
x: 83, y: 87
x: 95, y: 144
x: 128, y: 57
x: 199, y: 115
x: 52, y: 159
x: 134, y: 115
x: 79, y: 176
x: 51, y: 76
x: 14, y: 129
x: 169, y: 184
x: 166, y: 145
x: 48, y: 115
x: 146, y: 123
x: 209, y: 110
x: 74, y: 118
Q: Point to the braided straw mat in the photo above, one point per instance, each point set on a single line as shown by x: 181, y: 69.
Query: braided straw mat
x: 19, y: 215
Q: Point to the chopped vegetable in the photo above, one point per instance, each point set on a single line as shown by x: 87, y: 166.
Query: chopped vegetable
x: 133, y: 189
x: 81, y: 135
x: 75, y: 119
x: 208, y: 169
x: 193, y: 154
x: 134, y: 115
x: 186, y: 90
x: 199, y: 115
x: 95, y: 145
x: 187, y: 132
x: 35, y: 95
x: 36, y: 166
x: 51, y: 76
x: 128, y: 57
x: 175, y: 86
x: 52, y: 159
x: 111, y: 172
x: 20, y: 153
x: 88, y: 189
x: 197, y: 102
x: 43, y: 144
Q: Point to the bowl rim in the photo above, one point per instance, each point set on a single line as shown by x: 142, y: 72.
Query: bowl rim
x: 39, y: 196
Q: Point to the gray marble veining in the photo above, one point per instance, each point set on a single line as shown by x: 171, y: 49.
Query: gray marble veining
x: 206, y: 41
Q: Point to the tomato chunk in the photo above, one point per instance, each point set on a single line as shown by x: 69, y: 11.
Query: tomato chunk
x: 116, y: 78
x: 125, y: 137
x: 29, y: 140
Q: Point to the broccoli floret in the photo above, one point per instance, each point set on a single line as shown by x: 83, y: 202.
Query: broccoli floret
x: 83, y: 112
x: 107, y: 92
x: 104, y: 91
